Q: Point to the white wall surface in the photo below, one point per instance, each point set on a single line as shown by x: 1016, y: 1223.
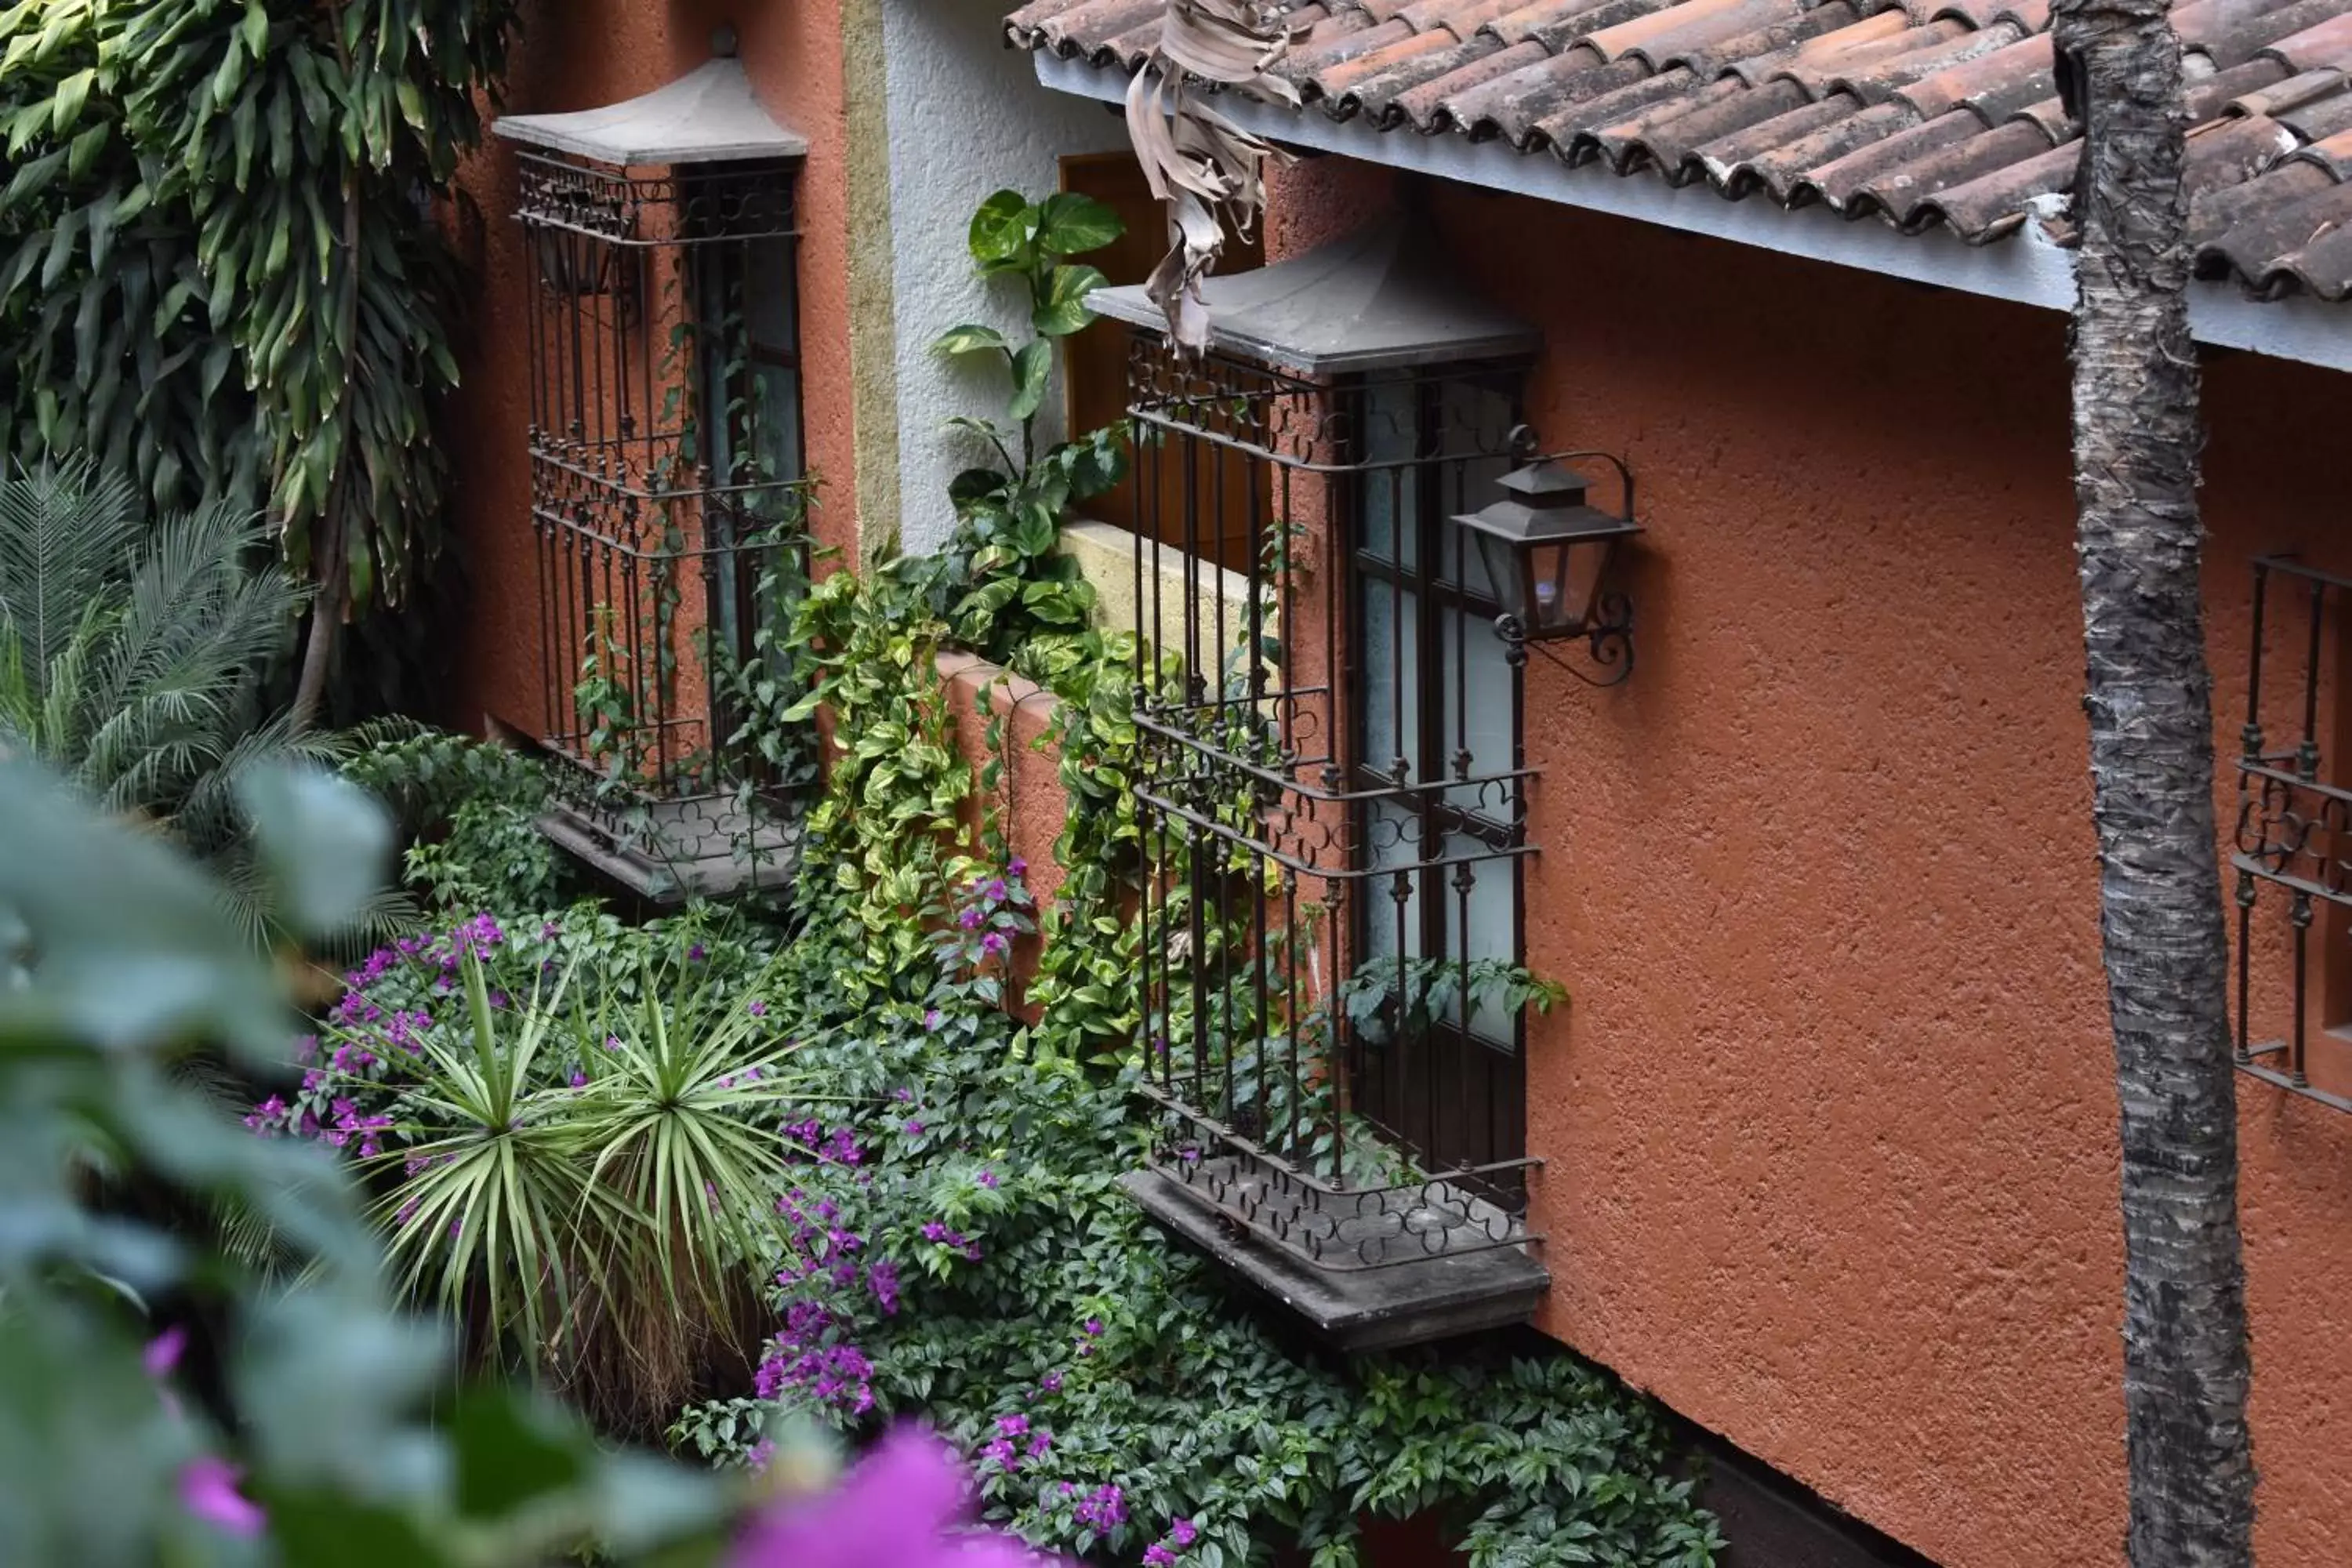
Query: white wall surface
x: 967, y: 117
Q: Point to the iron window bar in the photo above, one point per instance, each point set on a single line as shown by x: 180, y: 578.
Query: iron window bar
x: 1262, y: 833
x: 2293, y: 827
x: 666, y: 532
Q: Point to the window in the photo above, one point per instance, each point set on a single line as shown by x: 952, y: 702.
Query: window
x: 2292, y: 841
x: 1094, y: 372
x: 1433, y: 699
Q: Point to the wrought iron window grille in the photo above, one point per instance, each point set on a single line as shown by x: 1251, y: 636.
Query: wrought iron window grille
x: 670, y: 507
x: 2292, y: 838
x: 1331, y: 811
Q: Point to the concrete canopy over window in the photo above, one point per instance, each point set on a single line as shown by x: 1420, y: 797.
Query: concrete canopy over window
x: 1375, y: 300
x: 709, y: 115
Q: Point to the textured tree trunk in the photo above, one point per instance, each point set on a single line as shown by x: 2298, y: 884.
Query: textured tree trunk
x: 2136, y: 435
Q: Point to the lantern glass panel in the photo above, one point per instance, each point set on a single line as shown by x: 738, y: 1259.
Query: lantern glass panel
x: 1509, y: 575
x: 1567, y: 578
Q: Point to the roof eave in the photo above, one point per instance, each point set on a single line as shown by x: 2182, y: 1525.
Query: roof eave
x: 2026, y: 267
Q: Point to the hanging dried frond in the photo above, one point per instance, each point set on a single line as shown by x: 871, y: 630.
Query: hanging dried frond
x: 1207, y: 170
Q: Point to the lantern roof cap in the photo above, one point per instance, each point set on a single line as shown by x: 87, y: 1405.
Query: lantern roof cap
x: 709, y: 115
x: 1380, y: 299
x: 1545, y: 480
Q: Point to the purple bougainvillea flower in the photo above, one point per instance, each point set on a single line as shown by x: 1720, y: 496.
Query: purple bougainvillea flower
x: 913, y: 1130
x: 208, y: 1490
x: 1018, y: 866
x: 612, y: 1042
x: 695, y: 954
x: 1040, y: 1445
x: 995, y: 944
x: 579, y: 1078
x: 162, y: 1351
x: 1183, y: 1532
x: 1014, y: 1425
x: 988, y: 1179
x: 758, y: 1009
x: 902, y: 1506
x: 968, y: 920
x: 1094, y: 1326
x: 1156, y: 1555
x: 1051, y: 1382
x: 994, y: 890
x: 931, y: 1019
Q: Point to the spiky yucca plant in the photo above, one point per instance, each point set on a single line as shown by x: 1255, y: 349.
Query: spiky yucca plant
x: 589, y: 1186
x: 132, y: 656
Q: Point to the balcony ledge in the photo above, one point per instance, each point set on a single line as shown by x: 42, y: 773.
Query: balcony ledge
x: 1385, y: 1307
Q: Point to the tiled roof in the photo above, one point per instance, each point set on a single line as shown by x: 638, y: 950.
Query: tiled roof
x: 1917, y: 111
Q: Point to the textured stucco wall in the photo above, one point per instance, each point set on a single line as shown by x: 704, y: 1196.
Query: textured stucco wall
x: 1831, y: 1119
x: 966, y: 119
x: 576, y: 54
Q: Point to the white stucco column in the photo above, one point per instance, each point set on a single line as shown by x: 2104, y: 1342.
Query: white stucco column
x: 966, y: 118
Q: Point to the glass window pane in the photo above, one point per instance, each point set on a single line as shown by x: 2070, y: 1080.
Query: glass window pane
x: 776, y: 415
x: 1392, y: 838
x: 1478, y: 420
x: 1391, y: 498
x: 1389, y: 685
x: 1482, y: 726
x: 770, y: 290
x: 1488, y: 917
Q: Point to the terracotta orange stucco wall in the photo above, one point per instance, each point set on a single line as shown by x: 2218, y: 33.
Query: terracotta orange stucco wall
x: 576, y: 55
x: 1830, y: 1121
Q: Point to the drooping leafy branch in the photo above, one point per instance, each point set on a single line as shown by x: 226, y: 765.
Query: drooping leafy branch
x: 223, y: 266
x: 1005, y: 581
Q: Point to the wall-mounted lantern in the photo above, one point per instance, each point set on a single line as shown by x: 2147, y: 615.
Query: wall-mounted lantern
x: 1548, y: 553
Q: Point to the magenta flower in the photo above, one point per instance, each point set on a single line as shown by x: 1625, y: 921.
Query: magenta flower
x: 1156, y: 1555
x: 995, y: 944
x: 1051, y: 1382
x: 1094, y: 1326
x: 1018, y: 866
x: 988, y: 1179
x: 1183, y: 1532
x: 162, y: 1351
x: 968, y: 920
x: 1014, y: 1425
x: 913, y: 1130
x: 579, y: 1078
x: 695, y: 954
x: 757, y: 1009
x: 208, y: 1490
x: 931, y: 1021
x: 902, y: 1506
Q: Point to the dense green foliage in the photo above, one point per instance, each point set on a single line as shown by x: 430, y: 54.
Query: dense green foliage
x: 961, y: 1248
x: 312, y: 1425
x: 222, y: 263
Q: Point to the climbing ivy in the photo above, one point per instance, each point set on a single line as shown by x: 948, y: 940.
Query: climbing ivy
x: 223, y: 263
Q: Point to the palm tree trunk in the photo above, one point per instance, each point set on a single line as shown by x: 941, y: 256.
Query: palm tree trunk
x: 2136, y: 435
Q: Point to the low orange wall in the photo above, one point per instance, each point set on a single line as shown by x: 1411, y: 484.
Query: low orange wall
x: 1027, y: 793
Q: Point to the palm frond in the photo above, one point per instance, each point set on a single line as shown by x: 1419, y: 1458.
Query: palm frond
x: 65, y: 529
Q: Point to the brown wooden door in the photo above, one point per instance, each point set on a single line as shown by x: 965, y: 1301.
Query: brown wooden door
x: 1219, y: 519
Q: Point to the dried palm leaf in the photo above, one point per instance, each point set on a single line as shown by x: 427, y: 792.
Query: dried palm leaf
x: 1208, y: 171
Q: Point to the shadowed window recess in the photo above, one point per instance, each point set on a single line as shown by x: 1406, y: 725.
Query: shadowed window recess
x: 2291, y: 850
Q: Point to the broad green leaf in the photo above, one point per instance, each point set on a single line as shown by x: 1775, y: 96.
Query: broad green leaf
x: 970, y: 338
x: 1000, y: 229
x: 1063, y: 309
x: 1033, y: 371
x: 1069, y: 224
